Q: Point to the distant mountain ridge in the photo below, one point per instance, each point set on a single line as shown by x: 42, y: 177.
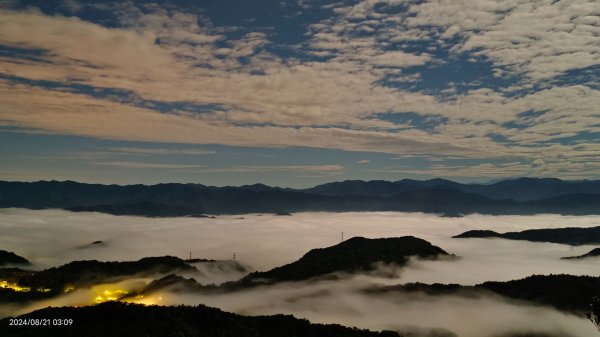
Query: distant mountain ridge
x: 517, y: 196
x: 521, y: 189
x: 574, y: 236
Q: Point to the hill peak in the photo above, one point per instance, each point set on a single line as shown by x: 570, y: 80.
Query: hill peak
x: 353, y: 255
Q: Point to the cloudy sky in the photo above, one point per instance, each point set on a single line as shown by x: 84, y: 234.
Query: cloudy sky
x: 296, y: 93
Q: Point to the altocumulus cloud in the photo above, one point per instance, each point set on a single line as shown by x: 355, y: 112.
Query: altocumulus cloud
x: 329, y: 93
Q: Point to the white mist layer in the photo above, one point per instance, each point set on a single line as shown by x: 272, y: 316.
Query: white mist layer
x: 344, y: 302
x: 51, y: 237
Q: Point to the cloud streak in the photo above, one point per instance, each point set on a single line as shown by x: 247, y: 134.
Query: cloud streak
x: 162, y: 151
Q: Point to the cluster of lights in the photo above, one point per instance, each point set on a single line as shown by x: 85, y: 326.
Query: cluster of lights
x: 14, y: 286
x: 110, y: 295
x: 101, y: 297
x: 140, y: 299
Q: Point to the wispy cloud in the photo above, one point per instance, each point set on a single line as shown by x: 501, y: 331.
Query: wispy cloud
x: 161, y: 151
x: 321, y: 169
x: 141, y: 165
x: 328, y: 169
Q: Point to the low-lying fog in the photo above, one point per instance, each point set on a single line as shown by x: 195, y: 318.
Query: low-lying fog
x: 51, y: 237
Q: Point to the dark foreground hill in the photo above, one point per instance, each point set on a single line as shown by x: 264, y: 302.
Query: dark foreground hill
x: 565, y: 292
x: 130, y: 320
x: 570, y: 235
x: 10, y: 258
x: 354, y: 255
x: 431, y: 196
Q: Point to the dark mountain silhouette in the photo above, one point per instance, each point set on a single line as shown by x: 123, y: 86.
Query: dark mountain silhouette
x: 569, y: 293
x: 571, y: 235
x: 564, y: 292
x: 13, y: 274
x: 431, y: 196
x: 351, y: 256
x: 176, y: 283
x: 82, y: 274
x: 528, y: 189
x: 131, y: 320
x: 592, y: 253
x: 373, y: 188
x: 521, y: 189
x: 10, y: 258
x: 95, y: 244
x: 355, y: 254
x: 85, y: 273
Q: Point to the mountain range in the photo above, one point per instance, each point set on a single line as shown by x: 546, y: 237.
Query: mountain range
x: 517, y: 196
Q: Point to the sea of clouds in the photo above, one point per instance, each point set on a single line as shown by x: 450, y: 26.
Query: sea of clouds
x: 262, y: 241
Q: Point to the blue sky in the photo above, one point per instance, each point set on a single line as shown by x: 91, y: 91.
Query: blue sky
x: 297, y: 93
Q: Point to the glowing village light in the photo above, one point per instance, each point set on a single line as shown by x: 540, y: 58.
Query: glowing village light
x: 144, y: 300
x: 14, y: 286
x: 110, y: 295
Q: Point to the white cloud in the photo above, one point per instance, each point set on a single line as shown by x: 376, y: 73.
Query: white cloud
x: 161, y: 151
x: 142, y: 165
x: 327, y: 103
x: 538, y: 39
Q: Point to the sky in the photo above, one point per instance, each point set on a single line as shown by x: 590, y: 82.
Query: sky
x: 297, y: 93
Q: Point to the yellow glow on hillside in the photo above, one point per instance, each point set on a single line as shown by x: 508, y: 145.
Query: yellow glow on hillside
x: 110, y: 295
x: 124, y: 291
x: 14, y: 286
x: 145, y: 300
